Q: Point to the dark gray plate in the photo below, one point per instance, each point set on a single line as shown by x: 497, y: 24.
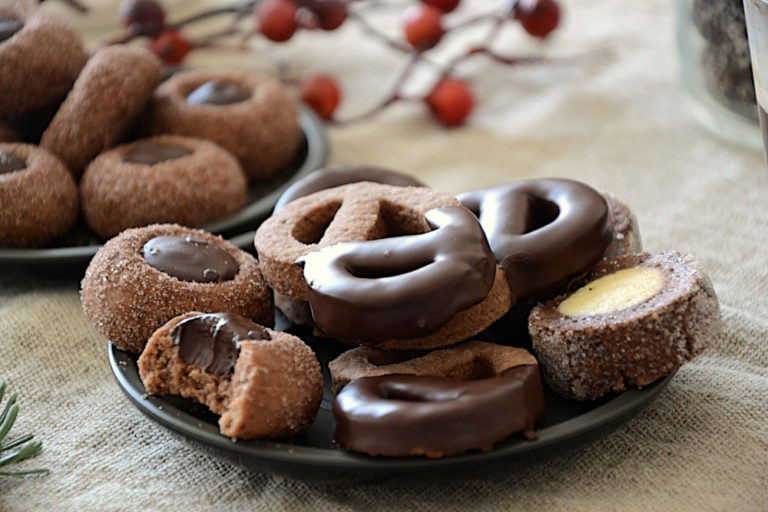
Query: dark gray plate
x: 79, y: 246
x: 314, y: 455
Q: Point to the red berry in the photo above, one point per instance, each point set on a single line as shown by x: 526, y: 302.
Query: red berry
x: 321, y: 93
x: 145, y: 17
x: 330, y: 14
x: 171, y: 46
x: 423, y: 25
x: 451, y: 101
x: 538, y: 17
x: 277, y: 19
x: 443, y: 5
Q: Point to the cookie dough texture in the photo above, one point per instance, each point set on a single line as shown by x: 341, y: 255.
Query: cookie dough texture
x: 274, y: 391
x: 108, y: 96
x: 262, y: 131
x: 40, y: 62
x: 38, y: 203
x: 585, y: 357
x: 126, y: 299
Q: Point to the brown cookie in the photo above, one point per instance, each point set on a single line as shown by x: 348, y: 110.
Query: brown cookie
x: 106, y: 99
x: 471, y: 359
x: 40, y: 57
x: 587, y: 350
x: 359, y: 211
x: 263, y: 383
x: 167, y: 178
x: 145, y: 276
x: 626, y: 231
x: 245, y: 113
x: 37, y: 194
x: 489, y: 393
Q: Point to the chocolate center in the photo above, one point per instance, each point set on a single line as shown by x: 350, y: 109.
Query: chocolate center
x: 10, y: 162
x: 190, y: 259
x: 215, y: 92
x: 151, y: 153
x: 213, y: 341
x: 9, y: 26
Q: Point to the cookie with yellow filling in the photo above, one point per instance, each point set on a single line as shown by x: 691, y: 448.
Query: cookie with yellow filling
x: 639, y: 318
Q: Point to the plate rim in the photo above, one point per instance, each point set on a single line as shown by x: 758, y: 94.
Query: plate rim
x: 317, y: 157
x: 125, y: 371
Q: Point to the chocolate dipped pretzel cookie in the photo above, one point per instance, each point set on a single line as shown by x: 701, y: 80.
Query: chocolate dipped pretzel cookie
x: 638, y: 318
x: 307, y: 228
x: 452, y: 400
x: 263, y: 383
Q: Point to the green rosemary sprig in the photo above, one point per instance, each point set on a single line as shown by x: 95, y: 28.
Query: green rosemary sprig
x: 25, y: 449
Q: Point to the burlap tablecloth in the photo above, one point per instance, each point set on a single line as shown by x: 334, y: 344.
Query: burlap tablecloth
x: 609, y: 113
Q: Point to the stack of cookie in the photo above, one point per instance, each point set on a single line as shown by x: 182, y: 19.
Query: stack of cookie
x: 100, y: 134
x: 406, y: 276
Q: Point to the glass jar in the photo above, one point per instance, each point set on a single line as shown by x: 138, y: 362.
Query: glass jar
x: 715, y: 69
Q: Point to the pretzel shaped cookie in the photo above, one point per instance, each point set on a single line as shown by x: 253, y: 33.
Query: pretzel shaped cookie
x: 401, y: 287
x: 543, y: 232
x: 371, y: 211
x: 359, y: 211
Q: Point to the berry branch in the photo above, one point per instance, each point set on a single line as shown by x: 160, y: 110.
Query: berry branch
x: 423, y: 27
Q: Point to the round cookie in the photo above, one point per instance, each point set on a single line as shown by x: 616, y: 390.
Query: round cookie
x: 423, y: 414
x: 145, y: 276
x: 638, y: 318
x: 41, y: 57
x: 37, y: 194
x: 263, y: 383
x: 106, y: 99
x: 167, y: 178
x: 245, y: 113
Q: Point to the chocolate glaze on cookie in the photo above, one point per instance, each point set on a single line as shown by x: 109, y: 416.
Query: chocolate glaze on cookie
x: 263, y: 383
x: 213, y: 341
x: 37, y: 194
x: 585, y: 356
x: 336, y: 176
x: 9, y: 25
x: 543, y: 232
x: 401, y: 415
x: 127, y: 299
x: 190, y: 259
x: 149, y: 152
x: 400, y: 287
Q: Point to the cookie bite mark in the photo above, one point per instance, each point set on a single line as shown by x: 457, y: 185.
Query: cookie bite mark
x: 245, y: 113
x: 626, y: 230
x: 126, y: 298
x: 167, y: 178
x: 40, y: 55
x: 107, y: 97
x: 263, y: 383
x: 639, y: 318
x: 38, y: 196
